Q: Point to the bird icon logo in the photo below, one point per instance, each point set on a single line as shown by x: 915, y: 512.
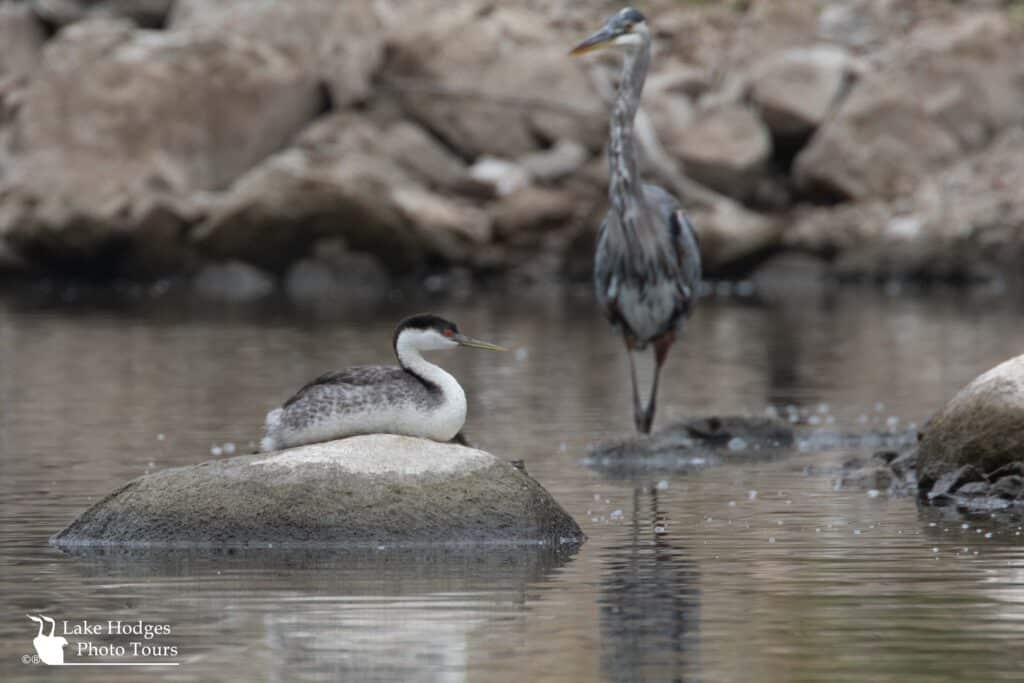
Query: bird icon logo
x: 50, y: 648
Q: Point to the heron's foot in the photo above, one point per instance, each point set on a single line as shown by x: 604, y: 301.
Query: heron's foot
x: 643, y: 420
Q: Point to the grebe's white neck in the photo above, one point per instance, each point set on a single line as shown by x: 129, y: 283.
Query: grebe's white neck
x: 409, y: 346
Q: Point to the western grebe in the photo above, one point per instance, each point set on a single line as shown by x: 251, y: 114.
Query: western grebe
x: 416, y: 399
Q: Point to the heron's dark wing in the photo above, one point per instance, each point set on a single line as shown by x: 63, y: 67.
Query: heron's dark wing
x: 681, y: 233
x: 687, y: 249
x: 359, y: 376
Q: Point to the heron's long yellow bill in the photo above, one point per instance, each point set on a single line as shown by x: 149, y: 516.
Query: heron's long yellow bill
x: 602, y: 38
x: 479, y: 344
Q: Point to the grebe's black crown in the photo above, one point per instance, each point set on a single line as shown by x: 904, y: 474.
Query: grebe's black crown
x: 425, y: 321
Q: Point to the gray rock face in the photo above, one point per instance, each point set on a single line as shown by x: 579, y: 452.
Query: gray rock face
x: 983, y: 426
x: 796, y: 90
x: 167, y: 129
x: 21, y: 40
x: 452, y: 71
x: 341, y: 44
x: 345, y: 177
x: 726, y: 149
x: 358, y: 492
x: 948, y: 90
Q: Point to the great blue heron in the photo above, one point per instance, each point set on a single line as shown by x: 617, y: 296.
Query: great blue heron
x: 647, y: 266
x: 416, y: 399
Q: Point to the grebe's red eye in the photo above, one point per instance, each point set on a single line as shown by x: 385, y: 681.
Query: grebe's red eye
x: 448, y: 332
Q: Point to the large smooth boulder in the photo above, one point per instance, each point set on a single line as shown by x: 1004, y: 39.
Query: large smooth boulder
x: 492, y: 82
x: 797, y: 89
x: 346, y: 177
x: 982, y: 426
x: 339, y: 43
x: 162, y: 116
x: 363, y: 491
x: 726, y: 148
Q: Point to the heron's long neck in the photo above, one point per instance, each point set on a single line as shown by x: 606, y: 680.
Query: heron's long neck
x: 410, y: 358
x: 624, y: 190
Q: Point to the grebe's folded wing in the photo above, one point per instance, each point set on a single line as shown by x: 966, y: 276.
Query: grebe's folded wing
x: 359, y: 376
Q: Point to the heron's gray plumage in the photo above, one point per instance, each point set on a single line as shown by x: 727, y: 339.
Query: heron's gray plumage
x: 647, y: 265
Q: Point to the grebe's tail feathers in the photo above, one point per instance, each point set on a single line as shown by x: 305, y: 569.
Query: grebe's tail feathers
x: 273, y: 426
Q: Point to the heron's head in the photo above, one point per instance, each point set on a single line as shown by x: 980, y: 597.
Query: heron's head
x: 428, y: 332
x: 625, y: 30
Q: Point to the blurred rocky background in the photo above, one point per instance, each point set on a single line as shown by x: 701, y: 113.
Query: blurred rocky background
x: 325, y: 144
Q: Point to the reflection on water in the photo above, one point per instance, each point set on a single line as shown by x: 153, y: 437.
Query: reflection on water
x: 753, y: 569
x: 650, y: 600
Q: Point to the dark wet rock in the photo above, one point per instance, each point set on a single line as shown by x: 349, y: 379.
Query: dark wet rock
x: 952, y: 481
x: 1010, y: 487
x: 147, y: 13
x: 719, y: 432
x: 885, y: 457
x: 877, y: 477
x: 334, y: 273
x: 1013, y: 468
x: 905, y: 465
x: 974, y: 489
x: 982, y: 426
x: 233, y: 281
x: 692, y: 444
x: 363, y: 491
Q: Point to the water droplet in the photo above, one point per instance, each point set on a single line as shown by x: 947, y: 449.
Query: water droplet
x: 874, y: 493
x: 737, y: 444
x: 771, y: 539
x: 616, y: 514
x: 751, y: 495
x: 663, y: 484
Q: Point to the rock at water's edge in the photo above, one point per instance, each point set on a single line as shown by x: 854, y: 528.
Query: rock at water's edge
x: 983, y: 425
x: 362, y: 491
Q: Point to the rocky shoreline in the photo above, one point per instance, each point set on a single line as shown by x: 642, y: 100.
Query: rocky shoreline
x: 307, y: 139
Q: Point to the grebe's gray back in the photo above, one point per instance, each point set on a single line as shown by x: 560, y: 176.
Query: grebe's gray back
x: 647, y: 266
x: 416, y: 399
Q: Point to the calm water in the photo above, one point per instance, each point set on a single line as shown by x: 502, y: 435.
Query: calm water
x: 797, y: 582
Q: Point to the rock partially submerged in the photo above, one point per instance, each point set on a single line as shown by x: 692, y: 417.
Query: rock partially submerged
x: 692, y: 444
x: 982, y: 426
x: 970, y: 455
x: 364, y: 491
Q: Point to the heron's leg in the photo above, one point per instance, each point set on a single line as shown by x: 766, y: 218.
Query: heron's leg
x: 661, y: 347
x: 638, y: 411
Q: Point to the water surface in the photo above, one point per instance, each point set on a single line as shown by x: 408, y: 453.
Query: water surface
x: 752, y: 570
